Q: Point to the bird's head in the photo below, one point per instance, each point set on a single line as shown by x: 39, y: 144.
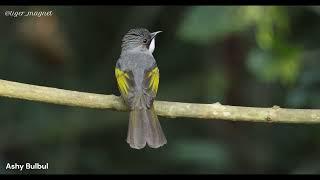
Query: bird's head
x: 139, y: 38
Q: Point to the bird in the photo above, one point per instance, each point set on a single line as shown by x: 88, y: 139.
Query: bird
x: 137, y: 76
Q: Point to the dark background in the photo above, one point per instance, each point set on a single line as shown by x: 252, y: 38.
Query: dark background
x: 236, y: 55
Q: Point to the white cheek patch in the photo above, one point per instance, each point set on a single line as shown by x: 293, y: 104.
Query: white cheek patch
x: 152, y: 46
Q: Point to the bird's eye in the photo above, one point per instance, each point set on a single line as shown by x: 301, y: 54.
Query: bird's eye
x: 145, y: 41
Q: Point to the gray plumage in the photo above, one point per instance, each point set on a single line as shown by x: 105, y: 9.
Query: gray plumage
x: 137, y: 61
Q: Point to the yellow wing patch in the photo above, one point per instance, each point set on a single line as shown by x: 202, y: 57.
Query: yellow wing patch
x: 154, y: 79
x: 122, y: 81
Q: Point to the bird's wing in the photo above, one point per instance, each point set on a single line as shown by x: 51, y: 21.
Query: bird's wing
x: 151, y: 84
x: 125, y: 81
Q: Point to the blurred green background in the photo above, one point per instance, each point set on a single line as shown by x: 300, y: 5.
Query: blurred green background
x: 236, y: 55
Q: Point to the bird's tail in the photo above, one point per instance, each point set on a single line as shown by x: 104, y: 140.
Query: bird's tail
x: 144, y: 128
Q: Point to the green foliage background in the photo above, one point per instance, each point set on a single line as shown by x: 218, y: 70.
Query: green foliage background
x: 237, y: 55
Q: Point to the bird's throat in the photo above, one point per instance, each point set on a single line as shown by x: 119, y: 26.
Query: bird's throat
x: 152, y: 46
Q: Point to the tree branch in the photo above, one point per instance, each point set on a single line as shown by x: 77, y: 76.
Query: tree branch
x: 162, y: 108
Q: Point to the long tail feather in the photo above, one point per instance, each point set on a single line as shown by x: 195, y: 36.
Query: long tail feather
x: 144, y: 128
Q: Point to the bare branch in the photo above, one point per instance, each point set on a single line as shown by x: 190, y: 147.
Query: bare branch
x: 163, y: 108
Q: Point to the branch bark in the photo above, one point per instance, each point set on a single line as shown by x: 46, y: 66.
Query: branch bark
x: 163, y: 108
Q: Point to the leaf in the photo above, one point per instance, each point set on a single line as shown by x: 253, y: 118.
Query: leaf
x: 283, y: 64
x: 209, y: 23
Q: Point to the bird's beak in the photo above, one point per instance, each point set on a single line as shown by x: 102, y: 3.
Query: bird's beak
x: 154, y: 34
